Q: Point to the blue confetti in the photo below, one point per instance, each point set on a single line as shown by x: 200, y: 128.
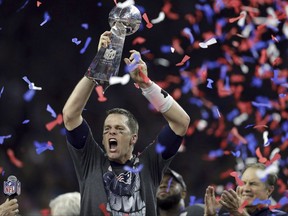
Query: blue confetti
x: 46, y: 19
x: 2, y: 90
x: 88, y: 40
x: 4, y: 137
x: 26, y: 121
x: 209, y: 84
x: 160, y: 148
x: 49, y: 109
x: 134, y: 170
x: 41, y: 147
x: 76, y: 41
x: 85, y: 25
x: 192, y: 200
x: 28, y: 96
x: 189, y: 33
x: 257, y: 201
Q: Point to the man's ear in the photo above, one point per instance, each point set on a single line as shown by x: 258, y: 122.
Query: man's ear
x: 270, y: 190
x: 183, y: 194
x: 134, y: 139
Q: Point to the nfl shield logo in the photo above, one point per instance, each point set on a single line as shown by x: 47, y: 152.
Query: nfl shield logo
x: 10, y: 187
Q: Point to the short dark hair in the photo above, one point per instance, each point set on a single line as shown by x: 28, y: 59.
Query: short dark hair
x: 271, y: 177
x: 132, y: 121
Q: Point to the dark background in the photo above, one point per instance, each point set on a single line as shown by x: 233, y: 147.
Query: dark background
x: 49, y: 58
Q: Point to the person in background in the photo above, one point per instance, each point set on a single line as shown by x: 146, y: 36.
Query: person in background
x: 171, y: 195
x: 67, y: 204
x: 250, y: 199
x: 113, y: 179
x: 9, y: 208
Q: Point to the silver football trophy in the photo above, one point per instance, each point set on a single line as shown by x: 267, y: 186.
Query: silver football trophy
x: 12, y: 187
x: 123, y: 21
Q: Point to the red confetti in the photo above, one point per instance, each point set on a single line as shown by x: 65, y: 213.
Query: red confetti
x: 259, y: 155
x: 167, y: 10
x: 100, y: 92
x: 102, y: 207
x: 138, y: 40
x: 13, y: 159
x: 274, y: 38
x: 39, y: 3
x: 277, y: 61
x: 45, y: 212
x: 281, y: 186
x: 143, y: 76
x: 186, y: 58
x: 58, y: 121
x: 240, y: 209
x: 149, y: 24
x: 237, y: 179
x: 231, y: 20
x: 275, y: 158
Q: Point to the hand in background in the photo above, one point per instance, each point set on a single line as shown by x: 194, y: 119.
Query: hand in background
x: 9, y: 208
x: 211, y: 204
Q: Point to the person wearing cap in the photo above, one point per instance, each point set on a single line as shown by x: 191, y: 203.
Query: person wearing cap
x: 171, y: 195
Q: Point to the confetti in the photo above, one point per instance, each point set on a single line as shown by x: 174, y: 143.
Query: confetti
x: 100, y: 93
x: 1, y: 91
x: 102, y: 207
x: 207, y: 43
x: 88, y: 40
x: 41, y: 147
x: 23, y: 6
x: 183, y: 61
x: 2, y: 138
x: 28, y: 96
x: 237, y: 179
x: 31, y: 85
x: 46, y: 18
x: 159, y: 19
x: 257, y: 201
x: 26, y: 121
x: 209, y: 84
x: 13, y: 159
x: 50, y: 110
x: 119, y: 80
x: 126, y: 3
x: 85, y: 25
x: 243, y: 205
x: 134, y: 169
x: 76, y: 41
x: 49, y: 126
x: 160, y: 148
x: 148, y: 23
x: 38, y: 3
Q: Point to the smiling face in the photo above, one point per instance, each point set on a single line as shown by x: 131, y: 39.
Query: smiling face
x: 253, y: 187
x: 118, y: 140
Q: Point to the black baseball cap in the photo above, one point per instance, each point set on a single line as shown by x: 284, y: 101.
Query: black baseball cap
x: 176, y: 176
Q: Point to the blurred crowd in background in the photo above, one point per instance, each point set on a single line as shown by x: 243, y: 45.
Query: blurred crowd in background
x: 224, y: 61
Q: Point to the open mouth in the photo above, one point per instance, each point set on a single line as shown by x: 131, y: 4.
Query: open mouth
x: 112, y: 144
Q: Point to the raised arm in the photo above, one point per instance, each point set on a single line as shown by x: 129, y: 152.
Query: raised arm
x: 72, y: 111
x: 177, y: 118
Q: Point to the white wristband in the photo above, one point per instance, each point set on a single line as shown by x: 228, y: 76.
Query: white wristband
x: 159, y: 98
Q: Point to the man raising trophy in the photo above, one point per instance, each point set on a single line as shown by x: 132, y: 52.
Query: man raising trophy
x: 123, y: 21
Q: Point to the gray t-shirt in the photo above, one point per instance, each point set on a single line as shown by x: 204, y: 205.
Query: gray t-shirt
x: 104, y: 184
